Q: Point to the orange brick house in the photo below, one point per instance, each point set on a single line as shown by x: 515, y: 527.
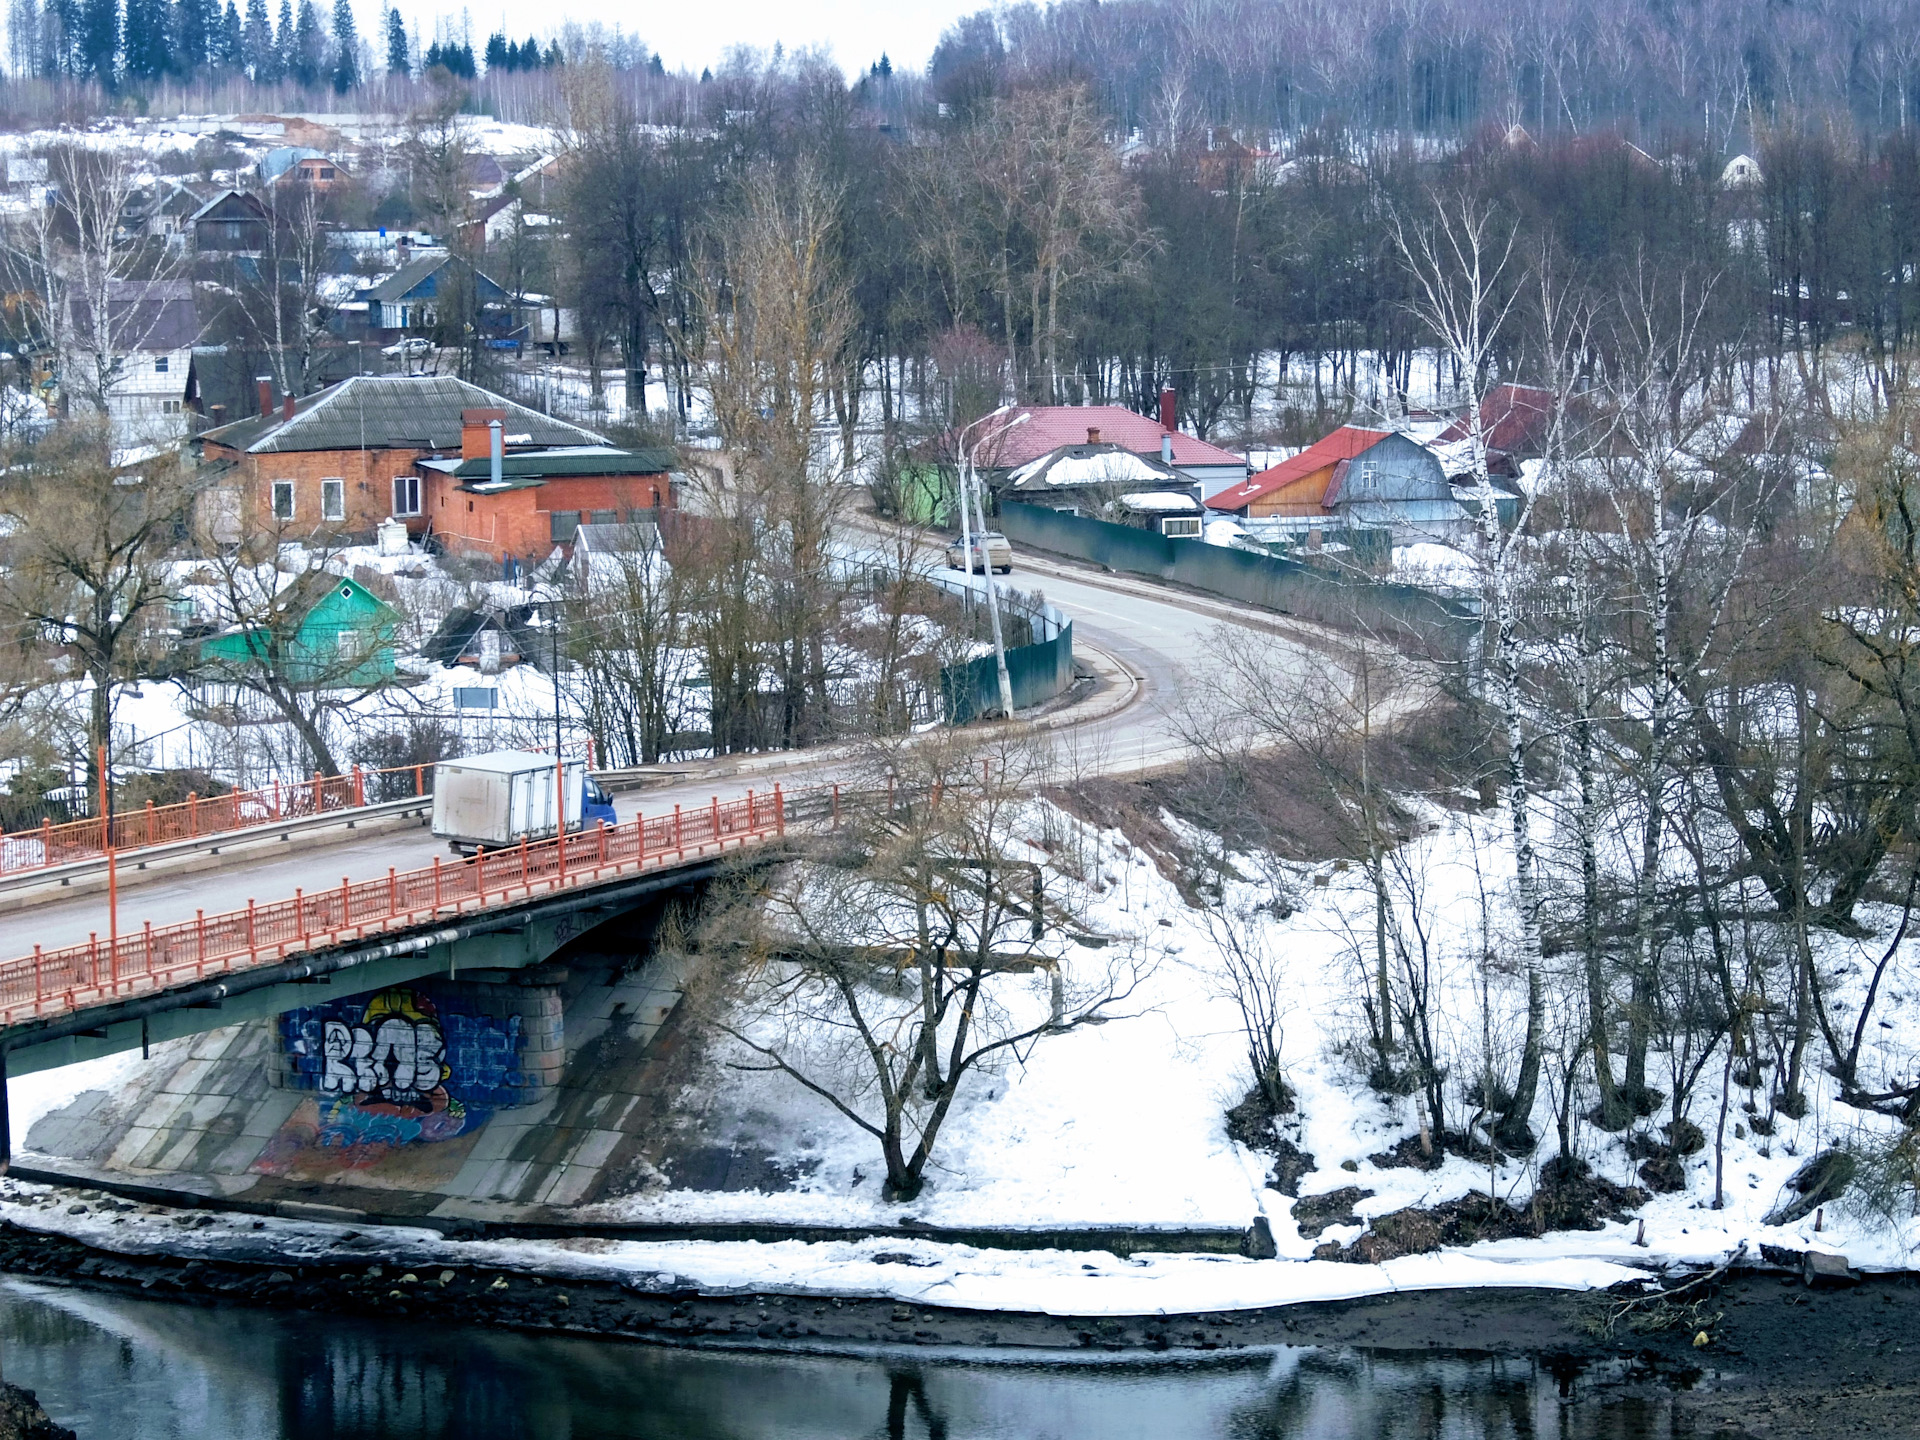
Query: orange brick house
x: 535, y: 500
x: 418, y: 448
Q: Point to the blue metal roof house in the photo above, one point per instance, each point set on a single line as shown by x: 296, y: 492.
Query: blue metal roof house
x: 409, y: 299
x: 1398, y: 484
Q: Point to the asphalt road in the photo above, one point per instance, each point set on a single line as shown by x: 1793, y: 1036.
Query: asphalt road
x: 1156, y: 636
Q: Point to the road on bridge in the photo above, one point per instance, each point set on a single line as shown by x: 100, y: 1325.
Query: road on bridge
x: 1154, y: 635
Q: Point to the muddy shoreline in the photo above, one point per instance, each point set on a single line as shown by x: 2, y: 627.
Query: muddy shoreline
x: 1779, y: 1359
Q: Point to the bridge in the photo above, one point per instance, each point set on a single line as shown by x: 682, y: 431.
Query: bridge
x: 371, y: 957
x: 508, y: 909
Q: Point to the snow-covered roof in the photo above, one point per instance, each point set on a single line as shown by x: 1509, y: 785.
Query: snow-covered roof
x: 1161, y: 502
x: 1090, y: 465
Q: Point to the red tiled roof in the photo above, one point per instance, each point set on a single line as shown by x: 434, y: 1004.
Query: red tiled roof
x: 1343, y: 444
x: 1510, y: 417
x: 1055, y: 425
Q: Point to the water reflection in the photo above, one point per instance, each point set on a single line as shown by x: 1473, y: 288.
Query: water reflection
x: 125, y: 1369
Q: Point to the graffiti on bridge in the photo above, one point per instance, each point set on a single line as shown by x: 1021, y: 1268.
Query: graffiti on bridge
x: 382, y: 1076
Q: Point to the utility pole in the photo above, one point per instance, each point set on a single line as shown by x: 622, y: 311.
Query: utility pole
x: 968, y: 471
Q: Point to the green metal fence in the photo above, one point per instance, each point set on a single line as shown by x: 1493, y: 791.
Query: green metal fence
x: 1039, y: 672
x: 1448, y: 623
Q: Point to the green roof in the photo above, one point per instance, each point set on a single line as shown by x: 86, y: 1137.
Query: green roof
x: 554, y: 465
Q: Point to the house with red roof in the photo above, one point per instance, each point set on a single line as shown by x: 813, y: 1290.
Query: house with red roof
x: 1297, y: 486
x: 1048, y: 428
x: 1513, y: 420
x: 1354, y: 480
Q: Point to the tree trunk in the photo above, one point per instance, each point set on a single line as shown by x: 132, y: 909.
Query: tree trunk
x: 1515, y: 1130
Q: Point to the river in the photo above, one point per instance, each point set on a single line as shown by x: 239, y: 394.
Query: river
x: 119, y: 1368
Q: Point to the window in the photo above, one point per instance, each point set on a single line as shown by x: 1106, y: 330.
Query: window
x: 160, y: 364
x: 406, y: 494
x: 283, y: 499
x: 606, y: 517
x: 169, y: 407
x: 326, y: 172
x: 1181, y: 527
x: 565, y: 522
x: 333, y: 499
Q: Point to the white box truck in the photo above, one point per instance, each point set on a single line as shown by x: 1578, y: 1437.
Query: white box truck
x: 498, y: 799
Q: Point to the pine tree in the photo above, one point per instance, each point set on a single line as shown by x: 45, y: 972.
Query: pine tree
x: 308, y: 55
x: 232, y: 48
x: 346, y: 48
x: 99, y: 39
x: 61, y: 22
x: 193, y: 20
x: 149, y: 54
x: 529, y: 55
x: 256, y: 44
x: 283, y: 42
x: 496, y: 52
x: 398, y: 60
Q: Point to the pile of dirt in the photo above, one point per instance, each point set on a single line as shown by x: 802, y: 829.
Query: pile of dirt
x: 22, y: 1418
x: 1663, y: 1169
x: 1412, y: 1153
x: 1568, y: 1197
x: 1317, y: 1212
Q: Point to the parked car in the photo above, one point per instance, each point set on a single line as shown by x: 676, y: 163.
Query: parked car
x: 997, y: 553
x: 412, y: 345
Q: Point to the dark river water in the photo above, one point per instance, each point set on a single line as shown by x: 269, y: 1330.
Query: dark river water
x: 114, y: 1368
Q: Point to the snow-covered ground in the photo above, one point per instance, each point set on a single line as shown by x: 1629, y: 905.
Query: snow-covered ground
x: 1058, y: 1282
x: 1122, y: 1123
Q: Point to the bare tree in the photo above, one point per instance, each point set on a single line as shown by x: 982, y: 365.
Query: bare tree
x: 912, y: 950
x: 1332, y: 712
x: 87, y: 556
x: 778, y: 312
x: 632, y: 604
x: 105, y: 289
x: 272, y: 650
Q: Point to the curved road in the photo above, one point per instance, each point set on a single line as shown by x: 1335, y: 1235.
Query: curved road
x: 1153, y: 634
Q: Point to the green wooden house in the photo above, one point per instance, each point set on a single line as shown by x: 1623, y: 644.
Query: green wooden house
x: 323, y: 630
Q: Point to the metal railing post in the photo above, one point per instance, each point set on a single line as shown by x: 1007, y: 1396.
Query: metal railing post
x: 779, y: 811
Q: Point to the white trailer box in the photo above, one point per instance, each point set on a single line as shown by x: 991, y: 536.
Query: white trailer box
x: 498, y: 799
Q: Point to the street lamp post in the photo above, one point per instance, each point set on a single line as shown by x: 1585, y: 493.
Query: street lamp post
x: 968, y: 470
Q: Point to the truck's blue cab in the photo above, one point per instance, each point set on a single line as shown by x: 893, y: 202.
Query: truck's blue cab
x: 596, y: 805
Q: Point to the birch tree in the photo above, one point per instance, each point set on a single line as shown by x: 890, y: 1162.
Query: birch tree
x: 104, y: 288
x: 1463, y: 261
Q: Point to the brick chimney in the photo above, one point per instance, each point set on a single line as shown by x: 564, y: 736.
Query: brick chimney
x: 218, y: 416
x: 286, y: 407
x: 1169, y: 408
x: 476, y: 442
x: 1093, y: 434
x: 264, y: 384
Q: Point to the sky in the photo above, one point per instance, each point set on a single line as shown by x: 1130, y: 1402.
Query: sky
x: 695, y: 35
